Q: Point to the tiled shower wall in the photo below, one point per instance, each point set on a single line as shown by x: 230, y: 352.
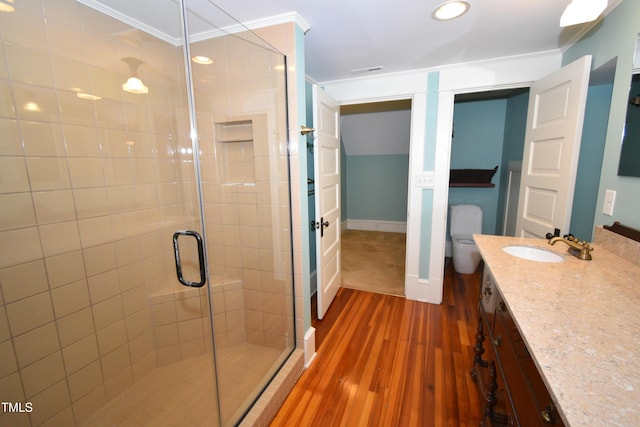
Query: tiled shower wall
x: 91, y: 191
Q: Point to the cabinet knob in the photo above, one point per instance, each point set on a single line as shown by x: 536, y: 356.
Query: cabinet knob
x: 547, y: 413
x: 497, y: 341
x: 502, y: 306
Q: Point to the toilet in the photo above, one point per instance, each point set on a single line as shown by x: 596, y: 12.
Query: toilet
x: 465, y: 220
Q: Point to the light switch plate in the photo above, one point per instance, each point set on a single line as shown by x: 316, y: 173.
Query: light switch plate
x: 425, y: 180
x: 609, y: 202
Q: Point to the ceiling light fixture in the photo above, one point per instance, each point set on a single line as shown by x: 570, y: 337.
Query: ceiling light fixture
x: 6, y: 6
x: 134, y: 84
x: 581, y: 11
x: 204, y: 60
x: 451, y: 9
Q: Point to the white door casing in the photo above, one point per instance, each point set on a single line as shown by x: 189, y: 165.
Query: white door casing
x: 552, y: 147
x: 326, y: 150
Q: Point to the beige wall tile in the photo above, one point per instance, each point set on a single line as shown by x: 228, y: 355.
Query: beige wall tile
x: 81, y: 141
x: 36, y: 103
x: 26, y: 28
x: 107, y: 312
x: 59, y: 238
x: 131, y: 276
x: 167, y: 355
x: 36, y: 344
x: 141, y: 346
x: 80, y: 354
x: 42, y: 139
x: 115, y: 362
x: 190, y: 330
x: 84, y: 380
x: 86, y: 172
x: 48, y: 173
x: 119, y: 383
x: 95, y: 231
x: 188, y: 308
x: 29, y: 313
x: 100, y: 259
x: 103, y: 286
x: 10, y: 143
x: 23, y: 280
x: 164, y: 313
x: 166, y: 335
x: 89, y: 404
x: 134, y: 300
x: 65, y: 268
x: 54, y: 206
x: 112, y: 337
x: 129, y: 251
x: 71, y: 75
x: 13, y: 175
x: 64, y: 418
x: 26, y: 65
x: 7, y: 107
x: 42, y: 374
x: 8, y: 363
x: 91, y: 202
x: 74, y: 110
x: 138, y: 323
x: 75, y: 326
x: 70, y: 298
x: 50, y: 402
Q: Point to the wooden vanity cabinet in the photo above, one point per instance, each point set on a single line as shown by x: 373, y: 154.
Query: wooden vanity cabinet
x: 521, y: 397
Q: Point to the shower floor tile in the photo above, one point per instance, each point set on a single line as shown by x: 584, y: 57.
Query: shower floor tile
x: 183, y: 393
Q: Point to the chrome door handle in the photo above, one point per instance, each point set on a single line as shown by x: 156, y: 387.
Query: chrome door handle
x: 176, y: 253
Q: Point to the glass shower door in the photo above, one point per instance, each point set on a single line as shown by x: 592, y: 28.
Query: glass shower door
x: 239, y: 88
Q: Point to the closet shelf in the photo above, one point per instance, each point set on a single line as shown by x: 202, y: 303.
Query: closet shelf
x: 471, y: 184
x: 472, y: 177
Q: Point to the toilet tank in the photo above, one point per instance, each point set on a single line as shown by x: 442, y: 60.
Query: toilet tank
x: 465, y: 219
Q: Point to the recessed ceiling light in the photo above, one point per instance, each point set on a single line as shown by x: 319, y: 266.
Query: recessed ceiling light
x: 205, y: 60
x: 451, y: 9
x: 6, y: 6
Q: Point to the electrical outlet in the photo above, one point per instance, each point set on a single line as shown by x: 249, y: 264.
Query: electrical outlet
x: 609, y: 202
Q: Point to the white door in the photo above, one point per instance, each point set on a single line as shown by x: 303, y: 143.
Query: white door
x: 552, y: 146
x: 326, y: 150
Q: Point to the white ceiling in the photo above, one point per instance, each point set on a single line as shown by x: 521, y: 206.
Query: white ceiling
x: 398, y: 35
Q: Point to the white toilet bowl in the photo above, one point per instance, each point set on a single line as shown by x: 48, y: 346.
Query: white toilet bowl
x: 465, y: 220
x: 466, y: 256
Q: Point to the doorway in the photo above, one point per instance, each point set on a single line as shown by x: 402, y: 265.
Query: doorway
x: 488, y: 131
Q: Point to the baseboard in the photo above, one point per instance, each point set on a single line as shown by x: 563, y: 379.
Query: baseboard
x: 309, y: 346
x: 373, y: 225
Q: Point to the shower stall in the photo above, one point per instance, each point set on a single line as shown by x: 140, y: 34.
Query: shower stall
x: 145, y: 214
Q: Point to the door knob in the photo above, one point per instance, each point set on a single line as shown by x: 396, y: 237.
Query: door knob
x: 305, y: 130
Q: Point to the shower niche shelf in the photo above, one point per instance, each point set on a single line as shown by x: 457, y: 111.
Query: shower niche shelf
x: 234, y: 131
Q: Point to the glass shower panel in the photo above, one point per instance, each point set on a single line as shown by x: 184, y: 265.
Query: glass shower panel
x: 96, y: 174
x: 239, y: 87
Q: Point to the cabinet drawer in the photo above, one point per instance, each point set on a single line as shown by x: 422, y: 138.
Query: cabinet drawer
x: 530, y: 397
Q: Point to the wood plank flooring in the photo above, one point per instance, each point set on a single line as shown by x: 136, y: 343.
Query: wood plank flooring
x: 386, y: 361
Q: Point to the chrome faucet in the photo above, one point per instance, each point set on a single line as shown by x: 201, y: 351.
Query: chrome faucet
x: 581, y: 250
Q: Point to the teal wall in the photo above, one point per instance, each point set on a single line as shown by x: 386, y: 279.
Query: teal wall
x: 428, y: 164
x: 377, y: 186
x: 594, y: 132
x: 310, y: 171
x: 630, y: 157
x: 344, y: 191
x: 479, y: 128
x: 614, y: 37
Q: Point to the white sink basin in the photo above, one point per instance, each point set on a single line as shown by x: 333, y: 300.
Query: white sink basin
x: 532, y: 253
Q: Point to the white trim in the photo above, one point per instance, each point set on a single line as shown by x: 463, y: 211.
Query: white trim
x: 373, y: 225
x: 309, y: 346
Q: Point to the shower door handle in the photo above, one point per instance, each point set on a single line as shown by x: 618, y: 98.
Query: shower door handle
x: 176, y: 253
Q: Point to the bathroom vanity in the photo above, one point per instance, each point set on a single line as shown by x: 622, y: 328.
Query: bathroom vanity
x: 558, y: 343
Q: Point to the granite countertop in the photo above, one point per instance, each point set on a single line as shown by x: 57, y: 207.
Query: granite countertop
x: 580, y: 321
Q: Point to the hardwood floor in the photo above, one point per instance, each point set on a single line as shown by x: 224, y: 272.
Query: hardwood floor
x: 385, y: 361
